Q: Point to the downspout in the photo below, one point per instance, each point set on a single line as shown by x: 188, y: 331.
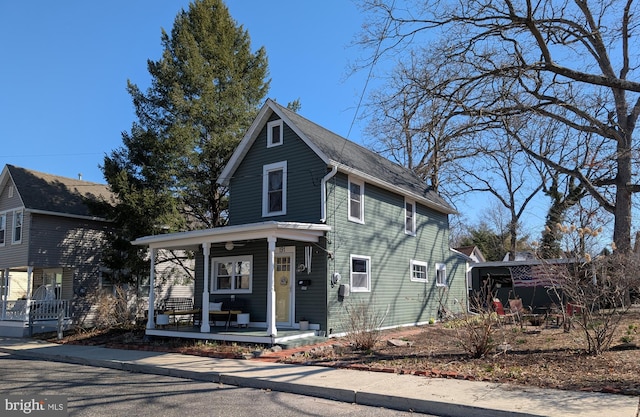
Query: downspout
x: 323, y: 185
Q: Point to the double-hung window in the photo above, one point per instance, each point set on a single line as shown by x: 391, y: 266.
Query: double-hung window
x: 410, y: 217
x: 356, y: 201
x: 3, y: 227
x: 274, y: 133
x: 441, y: 275
x: 360, y: 273
x: 17, y: 226
x: 418, y: 271
x: 232, y: 274
x: 274, y: 189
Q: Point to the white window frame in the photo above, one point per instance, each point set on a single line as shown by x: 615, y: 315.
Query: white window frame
x: 278, y: 166
x: 359, y: 183
x: 354, y: 288
x: 412, y: 271
x: 270, y: 139
x: 411, y: 230
x: 15, y: 239
x: 213, y: 279
x: 3, y: 228
x: 441, y: 275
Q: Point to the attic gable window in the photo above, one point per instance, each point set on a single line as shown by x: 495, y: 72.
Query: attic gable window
x: 274, y: 189
x: 274, y: 133
x: 356, y: 201
x: 410, y: 217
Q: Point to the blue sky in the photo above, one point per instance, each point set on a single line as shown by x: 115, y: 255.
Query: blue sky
x: 63, y: 99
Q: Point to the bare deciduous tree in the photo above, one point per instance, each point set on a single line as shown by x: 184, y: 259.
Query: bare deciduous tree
x: 567, y: 61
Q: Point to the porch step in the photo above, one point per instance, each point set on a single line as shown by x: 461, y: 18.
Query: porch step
x: 302, y: 341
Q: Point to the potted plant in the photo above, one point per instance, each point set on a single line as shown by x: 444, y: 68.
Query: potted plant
x: 304, y: 324
x: 162, y: 319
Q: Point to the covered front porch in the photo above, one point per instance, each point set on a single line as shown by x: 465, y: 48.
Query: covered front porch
x: 241, y: 263
x: 31, y: 301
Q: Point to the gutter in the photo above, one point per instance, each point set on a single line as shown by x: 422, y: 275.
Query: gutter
x: 323, y: 186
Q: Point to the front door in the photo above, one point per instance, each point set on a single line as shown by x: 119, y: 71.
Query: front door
x: 283, y: 280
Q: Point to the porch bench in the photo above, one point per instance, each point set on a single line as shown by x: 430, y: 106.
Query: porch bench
x: 226, y: 309
x: 176, y: 307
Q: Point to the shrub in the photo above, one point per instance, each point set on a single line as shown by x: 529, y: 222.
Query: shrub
x: 363, y: 324
x: 599, y: 287
x: 475, y: 332
x: 113, y: 310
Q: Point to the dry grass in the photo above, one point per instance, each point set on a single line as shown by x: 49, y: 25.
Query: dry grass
x: 533, y: 355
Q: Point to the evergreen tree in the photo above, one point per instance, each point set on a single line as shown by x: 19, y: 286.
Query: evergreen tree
x: 205, y: 92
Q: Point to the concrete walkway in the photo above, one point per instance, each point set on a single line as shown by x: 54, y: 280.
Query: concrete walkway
x: 443, y: 397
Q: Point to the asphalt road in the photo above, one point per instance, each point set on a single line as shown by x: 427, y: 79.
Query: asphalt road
x: 92, y: 392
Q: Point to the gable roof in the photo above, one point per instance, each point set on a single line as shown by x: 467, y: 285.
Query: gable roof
x: 48, y: 193
x: 347, y: 156
x: 473, y: 252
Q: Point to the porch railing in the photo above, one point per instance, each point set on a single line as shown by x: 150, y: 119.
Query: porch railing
x: 40, y: 310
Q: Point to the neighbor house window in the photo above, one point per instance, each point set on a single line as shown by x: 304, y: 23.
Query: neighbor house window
x: 274, y: 133
x: 3, y: 227
x: 441, y: 275
x: 418, y: 271
x: 17, y: 226
x: 274, y: 189
x: 107, y: 283
x: 232, y: 274
x: 360, y: 273
x: 410, y: 217
x: 52, y: 278
x: 356, y: 201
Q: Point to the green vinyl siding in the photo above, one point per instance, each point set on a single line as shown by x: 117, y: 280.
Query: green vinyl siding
x: 382, y: 237
x: 305, y: 171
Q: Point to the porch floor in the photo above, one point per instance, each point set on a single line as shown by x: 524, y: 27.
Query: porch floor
x: 286, y: 337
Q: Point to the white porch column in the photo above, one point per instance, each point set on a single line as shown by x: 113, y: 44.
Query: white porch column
x: 151, y: 324
x: 29, y: 281
x: 5, y: 293
x: 204, y: 326
x: 27, y: 312
x: 271, y: 290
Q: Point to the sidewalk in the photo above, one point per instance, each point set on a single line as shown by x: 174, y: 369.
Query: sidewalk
x: 437, y: 396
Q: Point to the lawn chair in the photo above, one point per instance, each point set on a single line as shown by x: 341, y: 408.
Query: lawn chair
x: 521, y: 312
x: 503, y: 315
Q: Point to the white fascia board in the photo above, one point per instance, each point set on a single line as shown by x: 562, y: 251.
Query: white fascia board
x: 71, y: 216
x: 394, y: 188
x: 307, y: 232
x: 251, y: 135
x: 244, y: 145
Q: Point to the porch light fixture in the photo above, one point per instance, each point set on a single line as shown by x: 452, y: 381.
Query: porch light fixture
x: 228, y: 245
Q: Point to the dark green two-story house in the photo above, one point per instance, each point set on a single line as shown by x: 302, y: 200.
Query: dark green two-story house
x: 318, y: 226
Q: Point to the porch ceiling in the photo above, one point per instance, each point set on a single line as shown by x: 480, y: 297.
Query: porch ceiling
x: 304, y: 232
